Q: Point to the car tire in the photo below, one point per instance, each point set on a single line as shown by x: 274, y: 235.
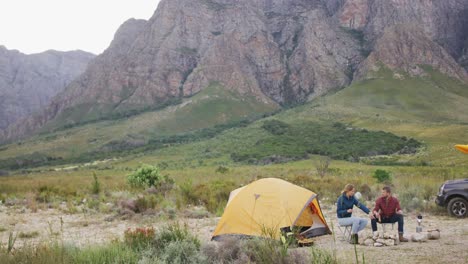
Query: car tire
x: 458, y: 207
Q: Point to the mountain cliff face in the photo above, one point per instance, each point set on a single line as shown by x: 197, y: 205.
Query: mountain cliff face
x: 28, y: 82
x: 278, y: 51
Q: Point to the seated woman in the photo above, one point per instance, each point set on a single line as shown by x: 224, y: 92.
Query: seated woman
x: 344, y: 212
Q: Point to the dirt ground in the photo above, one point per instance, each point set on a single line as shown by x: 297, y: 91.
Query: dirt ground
x: 92, y: 229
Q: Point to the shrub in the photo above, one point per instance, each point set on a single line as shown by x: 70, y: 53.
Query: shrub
x: 32, y: 234
x: 322, y: 166
x: 266, y: 251
x: 139, y: 238
x: 96, y: 188
x: 222, y: 169
x: 322, y: 256
x: 113, y: 253
x: 186, y: 194
x: 275, y: 127
x: 226, y: 251
x: 366, y: 191
x: 174, y: 244
x: 46, y: 193
x: 150, y: 176
x: 382, y: 176
x: 214, y: 195
x: 173, y: 233
x: 144, y: 203
x: 182, y: 252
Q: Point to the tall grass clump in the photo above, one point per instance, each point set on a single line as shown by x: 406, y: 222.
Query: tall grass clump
x: 113, y: 253
x: 321, y: 256
x: 139, y: 238
x: 96, y: 187
x: 213, y: 195
x: 174, y: 244
x: 55, y: 253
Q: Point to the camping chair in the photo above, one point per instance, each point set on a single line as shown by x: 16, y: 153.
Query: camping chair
x: 385, y: 225
x: 346, y: 232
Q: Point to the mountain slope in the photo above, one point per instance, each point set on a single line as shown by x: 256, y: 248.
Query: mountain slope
x: 281, y: 51
x: 431, y: 108
x: 28, y: 82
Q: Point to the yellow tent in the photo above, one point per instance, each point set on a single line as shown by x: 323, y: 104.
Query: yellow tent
x: 462, y: 148
x: 266, y: 206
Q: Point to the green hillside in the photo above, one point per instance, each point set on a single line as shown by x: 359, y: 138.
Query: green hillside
x: 431, y: 109
x: 211, y: 107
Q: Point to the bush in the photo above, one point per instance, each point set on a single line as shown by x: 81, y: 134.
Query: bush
x: 322, y: 256
x: 47, y: 193
x: 222, y: 169
x: 174, y: 244
x: 139, y: 238
x: 182, y: 252
x: 144, y: 203
x: 266, y: 251
x: 226, y: 251
x: 173, y: 233
x: 150, y: 176
x: 113, y: 253
x: 275, y: 127
x: 32, y: 234
x: 214, y: 195
x: 322, y: 165
x: 186, y: 194
x: 382, y: 176
x: 96, y: 188
x: 337, y: 141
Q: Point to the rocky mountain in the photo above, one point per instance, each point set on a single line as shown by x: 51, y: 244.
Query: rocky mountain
x: 28, y: 82
x: 278, y: 51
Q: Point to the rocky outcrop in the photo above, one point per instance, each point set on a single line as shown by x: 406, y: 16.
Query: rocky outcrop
x: 444, y: 21
x: 277, y: 51
x: 28, y: 82
x: 407, y: 48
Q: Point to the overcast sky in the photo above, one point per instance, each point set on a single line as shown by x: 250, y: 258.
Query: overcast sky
x: 33, y: 26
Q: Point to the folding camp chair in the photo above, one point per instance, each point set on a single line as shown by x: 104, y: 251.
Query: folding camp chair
x: 346, y: 232
x: 385, y: 225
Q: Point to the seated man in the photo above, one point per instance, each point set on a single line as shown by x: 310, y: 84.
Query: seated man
x: 387, y: 210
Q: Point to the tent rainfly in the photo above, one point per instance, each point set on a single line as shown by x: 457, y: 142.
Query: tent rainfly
x: 462, y: 148
x: 265, y: 207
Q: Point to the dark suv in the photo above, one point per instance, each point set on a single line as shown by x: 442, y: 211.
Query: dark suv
x: 454, y: 195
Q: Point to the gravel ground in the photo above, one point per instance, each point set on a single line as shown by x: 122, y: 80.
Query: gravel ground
x: 92, y: 229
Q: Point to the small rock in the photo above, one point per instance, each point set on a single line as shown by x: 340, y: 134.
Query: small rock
x: 378, y: 244
x: 369, y: 242
x: 389, y: 242
x: 420, y: 237
x: 387, y: 235
x: 435, y: 234
x: 380, y: 240
x: 375, y: 235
